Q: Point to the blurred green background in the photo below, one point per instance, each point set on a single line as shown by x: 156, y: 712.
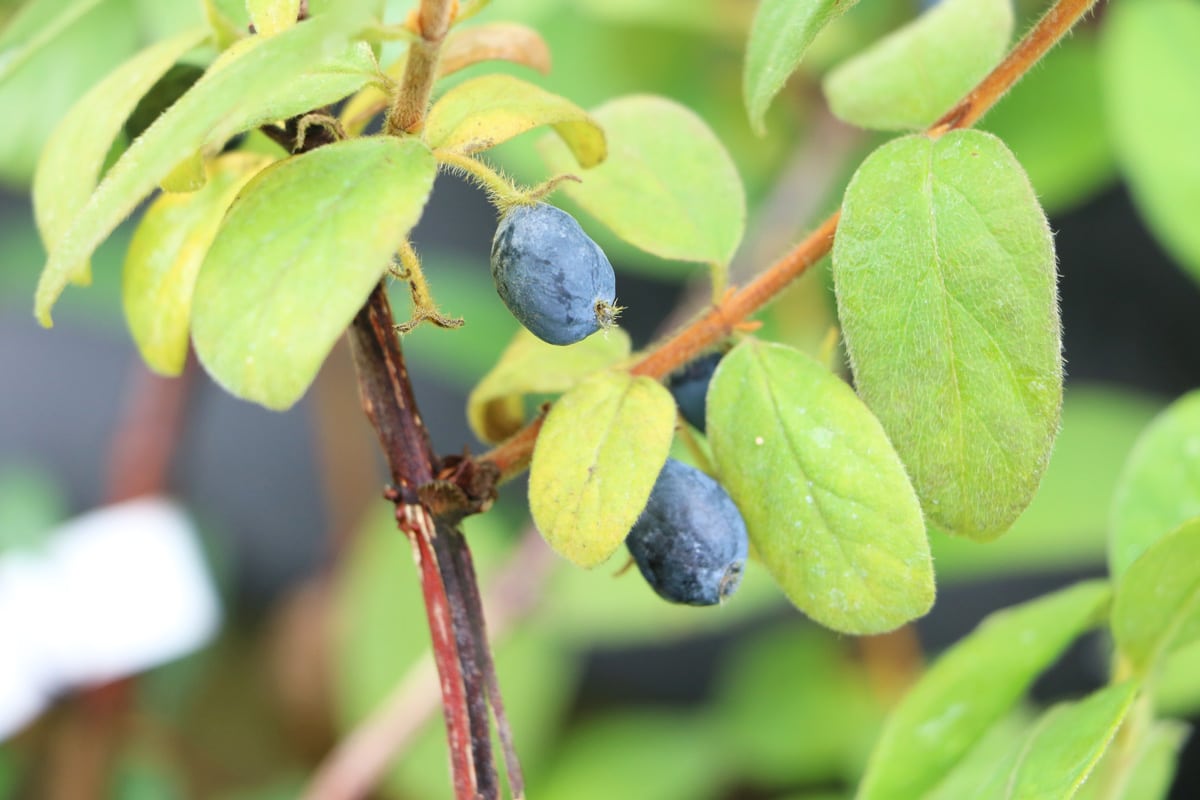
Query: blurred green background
x: 612, y: 692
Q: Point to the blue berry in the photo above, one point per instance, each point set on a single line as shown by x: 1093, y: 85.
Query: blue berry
x: 554, y: 279
x: 690, y: 542
x: 689, y: 386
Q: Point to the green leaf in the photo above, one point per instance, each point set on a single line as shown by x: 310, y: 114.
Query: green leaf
x: 484, y: 112
x: 1065, y: 527
x: 1062, y: 747
x: 972, y: 685
x: 1068, y: 154
x: 1151, y: 769
x: 296, y: 257
x: 1157, y: 608
x: 827, y: 504
x: 985, y: 758
x: 35, y: 25
x: 944, y: 272
x: 915, y: 74
x: 70, y: 166
x: 668, y: 186
x: 496, y: 407
x: 1151, y: 60
x: 1159, y: 488
x: 165, y: 255
x: 596, y: 460
x: 225, y: 101
x: 782, y: 30
x: 270, y: 17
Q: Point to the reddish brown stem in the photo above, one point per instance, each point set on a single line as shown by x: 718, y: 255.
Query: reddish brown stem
x: 512, y: 457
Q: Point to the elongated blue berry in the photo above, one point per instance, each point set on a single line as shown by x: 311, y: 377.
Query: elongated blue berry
x: 554, y: 279
x: 690, y: 542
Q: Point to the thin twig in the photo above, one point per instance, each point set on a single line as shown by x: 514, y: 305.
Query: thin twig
x: 512, y: 457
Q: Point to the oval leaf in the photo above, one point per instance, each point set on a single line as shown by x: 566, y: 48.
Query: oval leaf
x: 944, y: 272
x: 826, y: 501
x: 1062, y: 747
x: 296, y: 257
x: 782, y: 30
x: 222, y: 103
x: 1159, y: 488
x: 1158, y: 602
x: 947, y: 712
x: 164, y: 258
x: 914, y: 75
x: 596, y: 460
x: 1151, y: 67
x: 668, y: 186
x: 496, y: 407
x: 483, y: 112
x: 70, y: 165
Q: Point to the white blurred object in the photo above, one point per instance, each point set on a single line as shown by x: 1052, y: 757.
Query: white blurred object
x: 114, y: 592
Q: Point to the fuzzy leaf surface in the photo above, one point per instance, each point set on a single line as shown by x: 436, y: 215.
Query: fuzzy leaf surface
x: 908, y: 79
x: 165, y: 255
x: 945, y: 279
x: 496, y: 407
x: 1152, y: 769
x: 782, y: 30
x: 972, y: 686
x: 483, y: 112
x: 69, y: 167
x: 1157, y: 608
x: 1151, y: 60
x: 596, y: 460
x: 296, y: 257
x: 826, y: 502
x: 222, y: 103
x: 668, y: 185
x: 1159, y: 487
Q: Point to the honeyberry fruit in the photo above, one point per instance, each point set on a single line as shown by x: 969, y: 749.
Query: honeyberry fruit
x: 689, y: 387
x: 554, y: 279
x: 690, y: 542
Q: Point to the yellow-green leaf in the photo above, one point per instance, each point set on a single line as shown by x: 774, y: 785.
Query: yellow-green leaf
x: 596, y: 460
x: 165, y: 255
x: 668, y: 185
x: 945, y: 279
x: 222, y: 103
x: 826, y: 501
x: 496, y: 407
x: 483, y: 112
x: 782, y: 30
x: 296, y: 257
x: 69, y: 167
x: 270, y: 17
x: 914, y: 75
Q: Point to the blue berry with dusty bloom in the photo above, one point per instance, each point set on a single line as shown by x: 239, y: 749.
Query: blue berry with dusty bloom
x: 554, y: 279
x: 690, y: 542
